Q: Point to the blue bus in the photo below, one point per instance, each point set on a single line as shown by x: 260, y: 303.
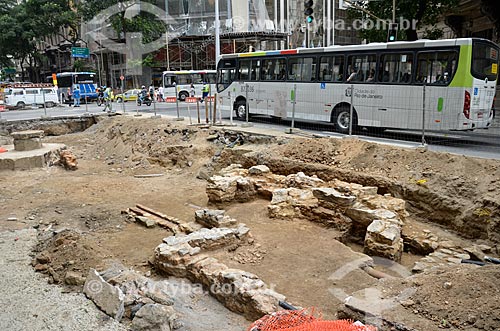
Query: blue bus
x: 66, y: 81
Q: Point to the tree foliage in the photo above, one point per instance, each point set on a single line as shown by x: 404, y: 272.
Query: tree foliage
x: 18, y: 33
x: 418, y: 15
x: 53, y: 16
x: 24, y: 23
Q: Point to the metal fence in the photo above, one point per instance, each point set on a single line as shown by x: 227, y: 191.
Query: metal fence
x: 422, y: 115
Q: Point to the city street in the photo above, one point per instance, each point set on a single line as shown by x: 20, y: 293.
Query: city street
x: 478, y: 143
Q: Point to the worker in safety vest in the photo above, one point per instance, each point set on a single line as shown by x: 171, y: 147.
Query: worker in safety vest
x: 205, y: 90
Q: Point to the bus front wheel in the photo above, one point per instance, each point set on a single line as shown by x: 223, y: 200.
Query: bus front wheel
x: 241, y: 109
x: 183, y: 96
x: 341, y: 119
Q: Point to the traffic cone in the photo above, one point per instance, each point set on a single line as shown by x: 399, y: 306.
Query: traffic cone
x: 3, y: 150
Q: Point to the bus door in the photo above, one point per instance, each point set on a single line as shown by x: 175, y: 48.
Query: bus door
x: 273, y: 95
x: 249, y: 76
x: 393, y: 100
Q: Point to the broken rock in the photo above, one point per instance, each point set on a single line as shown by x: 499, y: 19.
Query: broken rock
x: 259, y: 170
x: 74, y: 278
x: 109, y: 298
x: 154, y: 317
x: 383, y: 238
x: 331, y: 195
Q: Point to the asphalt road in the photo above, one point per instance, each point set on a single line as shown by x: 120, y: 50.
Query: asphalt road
x: 478, y: 143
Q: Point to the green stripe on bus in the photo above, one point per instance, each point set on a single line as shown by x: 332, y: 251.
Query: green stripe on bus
x: 463, y: 76
x: 252, y: 54
x: 440, y: 104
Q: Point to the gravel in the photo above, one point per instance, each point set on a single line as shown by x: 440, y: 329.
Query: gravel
x: 28, y: 302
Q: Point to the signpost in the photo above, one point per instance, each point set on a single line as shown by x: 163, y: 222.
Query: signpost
x: 122, y: 78
x: 81, y: 52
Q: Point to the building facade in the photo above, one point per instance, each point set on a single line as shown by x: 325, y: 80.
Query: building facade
x: 251, y: 25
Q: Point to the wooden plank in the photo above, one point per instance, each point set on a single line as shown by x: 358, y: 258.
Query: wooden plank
x: 158, y: 214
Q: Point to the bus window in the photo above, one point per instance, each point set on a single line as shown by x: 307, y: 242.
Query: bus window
x: 226, y: 77
x: 184, y: 79
x: 302, y: 69
x: 170, y: 81
x: 361, y: 68
x: 395, y: 68
x: 484, y: 61
x: 226, y: 73
x: 255, y: 73
x: 274, y: 69
x: 437, y: 68
x: 331, y: 68
x: 244, y: 70
x: 197, y: 78
x: 211, y: 78
x: 294, y: 69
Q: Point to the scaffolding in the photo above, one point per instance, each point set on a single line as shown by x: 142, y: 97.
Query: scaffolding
x: 198, y: 52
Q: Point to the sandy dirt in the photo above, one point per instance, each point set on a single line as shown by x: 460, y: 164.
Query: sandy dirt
x: 296, y: 257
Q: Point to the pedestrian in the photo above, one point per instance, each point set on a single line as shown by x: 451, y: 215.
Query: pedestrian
x: 76, y: 96
x: 206, y: 90
x: 152, y: 92
x: 160, y: 94
x: 108, y: 94
x: 192, y: 91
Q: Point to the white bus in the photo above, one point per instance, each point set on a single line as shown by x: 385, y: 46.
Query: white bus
x: 178, y: 83
x: 458, y: 77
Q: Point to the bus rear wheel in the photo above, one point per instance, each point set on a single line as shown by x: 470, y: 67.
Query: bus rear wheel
x: 341, y: 119
x: 241, y: 109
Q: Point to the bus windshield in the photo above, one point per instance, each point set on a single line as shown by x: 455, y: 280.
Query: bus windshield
x: 484, y: 61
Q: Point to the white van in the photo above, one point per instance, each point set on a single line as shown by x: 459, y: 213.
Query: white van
x: 20, y: 96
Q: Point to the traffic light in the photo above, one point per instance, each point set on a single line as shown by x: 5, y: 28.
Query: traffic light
x: 392, y: 34
x: 308, y: 10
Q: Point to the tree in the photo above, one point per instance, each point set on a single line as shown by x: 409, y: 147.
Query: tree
x: 23, y: 23
x: 54, y: 16
x: 17, y: 37
x: 418, y: 14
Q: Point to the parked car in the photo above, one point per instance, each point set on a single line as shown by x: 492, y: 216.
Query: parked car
x: 130, y: 95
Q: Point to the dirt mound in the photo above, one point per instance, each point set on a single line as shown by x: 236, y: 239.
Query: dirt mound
x: 461, y: 193
x: 460, y: 297
x: 66, y: 253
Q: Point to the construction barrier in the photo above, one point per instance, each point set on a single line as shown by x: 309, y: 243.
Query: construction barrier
x: 302, y: 320
x: 171, y: 99
x: 2, y: 108
x: 192, y: 99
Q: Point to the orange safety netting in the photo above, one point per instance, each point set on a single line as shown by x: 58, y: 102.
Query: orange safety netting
x: 301, y: 320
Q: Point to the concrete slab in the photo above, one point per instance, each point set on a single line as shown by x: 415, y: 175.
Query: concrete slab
x: 38, y: 158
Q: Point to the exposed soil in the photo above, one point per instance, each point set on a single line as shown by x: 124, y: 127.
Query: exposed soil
x: 451, y: 195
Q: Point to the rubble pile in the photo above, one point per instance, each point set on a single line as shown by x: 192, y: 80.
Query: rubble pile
x: 122, y: 292
x: 358, y: 210
x: 185, y: 256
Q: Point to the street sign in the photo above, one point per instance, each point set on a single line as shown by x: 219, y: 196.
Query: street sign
x: 81, y: 52
x: 121, y: 77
